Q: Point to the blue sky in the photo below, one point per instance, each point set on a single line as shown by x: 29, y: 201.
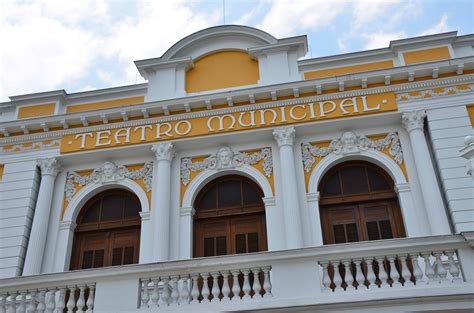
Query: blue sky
x: 89, y: 44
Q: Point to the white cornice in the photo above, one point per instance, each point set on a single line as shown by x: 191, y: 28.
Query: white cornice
x: 393, y: 88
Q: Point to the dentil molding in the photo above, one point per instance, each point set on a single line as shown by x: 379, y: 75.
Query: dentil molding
x: 350, y: 143
x: 108, y: 172
x: 226, y: 158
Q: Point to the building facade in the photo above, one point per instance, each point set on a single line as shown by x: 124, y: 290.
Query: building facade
x: 245, y: 177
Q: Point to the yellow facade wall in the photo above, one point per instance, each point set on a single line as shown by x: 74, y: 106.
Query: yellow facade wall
x: 220, y: 70
x: 105, y: 104
x: 2, y: 167
x: 470, y: 111
x: 337, y: 71
x: 426, y: 55
x: 36, y: 110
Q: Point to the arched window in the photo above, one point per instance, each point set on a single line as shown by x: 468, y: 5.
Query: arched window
x: 108, y: 231
x: 230, y: 218
x: 358, y: 202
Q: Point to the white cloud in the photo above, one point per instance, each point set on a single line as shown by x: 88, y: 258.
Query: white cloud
x: 440, y: 27
x: 381, y: 39
x: 286, y: 17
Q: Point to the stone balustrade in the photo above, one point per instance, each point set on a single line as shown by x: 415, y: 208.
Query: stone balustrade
x: 403, y: 269
x: 391, y: 271
x: 72, y: 298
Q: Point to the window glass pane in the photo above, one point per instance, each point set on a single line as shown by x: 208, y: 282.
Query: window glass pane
x: 112, y: 208
x: 339, y: 234
x: 221, y: 245
x: 373, y: 230
x: 332, y: 186
x: 117, y: 256
x: 377, y: 181
x: 132, y: 208
x: 251, y: 196
x: 98, y: 258
x: 209, y: 199
x: 92, y: 214
x: 354, y: 180
x: 229, y: 194
x: 240, y: 243
x: 128, y: 255
x: 386, y: 229
x: 209, y: 246
x: 352, y: 235
x: 252, y: 242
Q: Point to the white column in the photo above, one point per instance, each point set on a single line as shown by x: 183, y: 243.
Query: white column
x: 414, y: 225
x: 291, y: 208
x: 186, y: 232
x: 467, y: 152
x: 312, y: 199
x: 164, y: 153
x: 413, y: 123
x: 276, y: 238
x: 37, y: 242
x: 146, y: 233
x: 62, y: 258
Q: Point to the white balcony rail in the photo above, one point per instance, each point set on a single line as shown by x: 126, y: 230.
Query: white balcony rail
x: 317, y: 276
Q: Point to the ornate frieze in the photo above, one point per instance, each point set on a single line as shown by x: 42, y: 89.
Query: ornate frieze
x: 351, y: 143
x: 433, y: 93
x: 108, y: 172
x: 226, y: 158
x: 40, y: 145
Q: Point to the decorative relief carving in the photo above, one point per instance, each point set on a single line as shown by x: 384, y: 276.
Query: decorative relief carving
x: 413, y: 120
x: 164, y: 151
x: 433, y: 93
x: 50, y: 166
x: 226, y: 158
x: 33, y: 146
x: 351, y: 143
x: 108, y: 172
x: 284, y: 135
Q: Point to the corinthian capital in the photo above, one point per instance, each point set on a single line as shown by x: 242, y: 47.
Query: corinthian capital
x: 413, y: 120
x: 163, y: 151
x: 50, y: 166
x: 284, y: 135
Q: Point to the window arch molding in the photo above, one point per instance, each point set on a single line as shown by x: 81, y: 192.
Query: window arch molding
x: 375, y: 157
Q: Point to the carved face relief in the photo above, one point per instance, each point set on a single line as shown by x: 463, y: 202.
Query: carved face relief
x: 225, y: 156
x: 349, y: 142
x: 109, y: 170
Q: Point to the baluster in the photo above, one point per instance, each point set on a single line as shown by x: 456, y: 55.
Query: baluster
x: 405, y: 272
x: 155, y: 295
x: 225, y: 286
x: 383, y: 273
x: 246, y: 286
x: 51, y: 305
x: 71, y: 303
x: 326, y: 281
x: 235, y: 285
x: 81, y: 302
x: 165, y: 295
x: 417, y: 272
x: 215, y: 287
x: 12, y: 306
x: 359, y: 276
x: 429, y: 270
x: 394, y: 275
x: 348, y: 278
x: 195, y: 289
x: 267, y: 284
x: 256, y: 283
x: 184, y: 296
x: 145, y: 294
x: 205, y: 287
x: 3, y: 303
x: 32, y: 305
x: 174, y: 290
x: 440, y: 269
x: 61, y: 305
x: 41, y: 301
x: 337, y: 279
x: 453, y: 267
x: 91, y: 299
x: 22, y: 307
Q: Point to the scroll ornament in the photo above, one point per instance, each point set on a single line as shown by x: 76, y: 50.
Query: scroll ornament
x: 108, y: 172
x: 226, y: 158
x: 350, y: 143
